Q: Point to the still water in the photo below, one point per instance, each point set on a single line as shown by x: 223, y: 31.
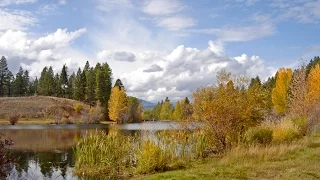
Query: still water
x: 46, y: 151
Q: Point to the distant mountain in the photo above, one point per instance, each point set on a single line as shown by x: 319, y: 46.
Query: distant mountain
x: 147, y: 104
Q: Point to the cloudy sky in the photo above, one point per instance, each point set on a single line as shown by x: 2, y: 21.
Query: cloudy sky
x: 160, y: 48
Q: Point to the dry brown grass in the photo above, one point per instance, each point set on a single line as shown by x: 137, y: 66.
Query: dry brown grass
x: 39, y: 108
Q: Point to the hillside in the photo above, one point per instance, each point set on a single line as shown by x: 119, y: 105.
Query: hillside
x: 38, y: 107
x: 147, y: 104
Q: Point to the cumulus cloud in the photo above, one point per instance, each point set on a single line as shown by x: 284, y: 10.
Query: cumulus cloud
x: 33, y: 54
x: 185, y: 69
x: 153, y: 68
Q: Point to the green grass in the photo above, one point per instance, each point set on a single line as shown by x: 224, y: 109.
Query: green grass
x: 298, y: 160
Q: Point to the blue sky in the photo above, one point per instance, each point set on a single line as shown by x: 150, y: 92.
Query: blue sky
x: 161, y: 48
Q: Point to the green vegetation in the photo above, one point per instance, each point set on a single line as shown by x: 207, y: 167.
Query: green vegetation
x: 297, y: 160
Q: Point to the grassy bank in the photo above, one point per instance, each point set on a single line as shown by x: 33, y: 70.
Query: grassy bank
x: 297, y: 160
x: 47, y: 110
x: 43, y: 121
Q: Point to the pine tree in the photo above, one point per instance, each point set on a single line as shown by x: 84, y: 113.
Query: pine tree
x: 42, y: 82
x: 4, y: 75
x: 19, y: 83
x: 26, y: 82
x: 57, y: 86
x: 71, y: 85
x: 279, y: 93
x: 100, y: 86
x: 78, y: 87
x: 119, y: 84
x: 8, y: 85
x: 90, y: 87
x: 118, y: 105
x: 50, y: 81
x: 63, y: 83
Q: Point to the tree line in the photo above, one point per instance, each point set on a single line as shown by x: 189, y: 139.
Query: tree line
x: 91, y: 85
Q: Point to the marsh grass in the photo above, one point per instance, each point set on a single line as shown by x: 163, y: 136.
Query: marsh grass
x: 108, y: 154
x: 123, y: 156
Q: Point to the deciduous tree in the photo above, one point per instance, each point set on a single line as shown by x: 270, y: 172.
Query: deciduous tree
x: 279, y: 93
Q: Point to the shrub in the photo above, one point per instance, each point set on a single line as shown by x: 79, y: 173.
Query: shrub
x: 95, y: 114
x: 258, y: 135
x: 78, y: 108
x: 13, y: 119
x: 285, y: 131
x: 152, y: 158
x: 301, y: 123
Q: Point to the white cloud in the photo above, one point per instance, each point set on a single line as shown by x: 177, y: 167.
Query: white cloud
x: 175, y: 23
x: 60, y: 39
x: 33, y: 54
x: 167, y: 14
x: 9, y: 2
x: 245, y: 33
x: 16, y: 19
x: 185, y: 69
x: 162, y: 7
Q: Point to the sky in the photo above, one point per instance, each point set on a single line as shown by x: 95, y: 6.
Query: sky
x: 160, y: 48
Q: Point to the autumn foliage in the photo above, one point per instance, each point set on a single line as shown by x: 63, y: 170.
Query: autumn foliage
x: 118, y: 104
x: 279, y: 93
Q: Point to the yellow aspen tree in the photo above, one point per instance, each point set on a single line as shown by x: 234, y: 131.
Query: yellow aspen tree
x: 177, y: 114
x: 118, y: 105
x: 279, y: 93
x: 314, y: 84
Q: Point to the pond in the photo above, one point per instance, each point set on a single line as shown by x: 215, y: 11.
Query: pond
x: 46, y: 151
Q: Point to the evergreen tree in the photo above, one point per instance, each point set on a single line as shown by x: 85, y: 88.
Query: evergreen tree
x: 100, y: 86
x: 63, y: 83
x: 4, y: 75
x: 19, y: 83
x: 42, y: 82
x: 119, y: 84
x: 57, y: 86
x: 90, y: 87
x: 50, y: 81
x: 79, y: 87
x: 26, y: 82
x: 71, y: 86
x: 9, y: 84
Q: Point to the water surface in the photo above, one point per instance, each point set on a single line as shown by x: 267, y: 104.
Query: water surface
x: 46, y: 151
